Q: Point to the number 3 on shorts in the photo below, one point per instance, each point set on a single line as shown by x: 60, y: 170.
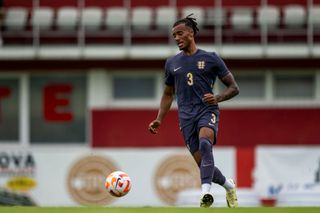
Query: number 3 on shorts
x: 214, y: 118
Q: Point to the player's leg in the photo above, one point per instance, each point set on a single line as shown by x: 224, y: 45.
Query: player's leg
x: 210, y: 121
x: 206, y: 134
x: 231, y: 196
x: 229, y: 185
x: 206, y: 165
x: 191, y: 138
x: 206, y: 199
x: 206, y: 129
x: 207, y: 161
x: 219, y: 178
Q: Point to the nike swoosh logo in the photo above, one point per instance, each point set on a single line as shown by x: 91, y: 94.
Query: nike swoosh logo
x: 176, y: 69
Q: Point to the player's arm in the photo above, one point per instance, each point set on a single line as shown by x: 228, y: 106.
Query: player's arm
x: 231, y: 90
x: 165, y: 104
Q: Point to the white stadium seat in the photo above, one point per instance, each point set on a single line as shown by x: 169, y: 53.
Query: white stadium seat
x: 67, y: 18
x: 116, y: 17
x: 165, y: 16
x: 314, y: 17
x: 141, y: 17
x: 215, y: 17
x: 42, y: 17
x: 242, y: 18
x: 91, y: 18
x: 294, y: 16
x: 198, y: 13
x: 269, y: 15
x: 16, y: 18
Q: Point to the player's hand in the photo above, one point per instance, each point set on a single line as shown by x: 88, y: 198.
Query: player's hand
x: 153, y: 126
x: 210, y: 99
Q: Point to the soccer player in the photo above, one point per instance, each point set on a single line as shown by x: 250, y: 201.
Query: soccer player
x: 190, y: 75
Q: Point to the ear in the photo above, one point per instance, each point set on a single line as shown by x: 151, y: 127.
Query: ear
x: 191, y: 33
x: 191, y: 30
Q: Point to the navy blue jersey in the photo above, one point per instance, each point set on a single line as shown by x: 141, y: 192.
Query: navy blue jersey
x: 192, y: 77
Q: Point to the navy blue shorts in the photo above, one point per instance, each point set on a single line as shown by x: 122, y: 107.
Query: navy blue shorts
x: 190, y: 130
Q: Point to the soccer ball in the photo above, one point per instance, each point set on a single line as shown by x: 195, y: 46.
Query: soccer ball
x: 118, y: 183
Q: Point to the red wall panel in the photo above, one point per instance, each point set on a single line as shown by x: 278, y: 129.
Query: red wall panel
x: 135, y: 3
x: 103, y: 3
x: 245, y: 163
x: 201, y: 3
x: 239, y: 3
x: 250, y: 127
x: 129, y: 128
x: 238, y: 127
x: 57, y: 4
x: 15, y: 3
x: 287, y: 2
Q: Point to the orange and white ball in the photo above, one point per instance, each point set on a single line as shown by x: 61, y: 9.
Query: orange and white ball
x: 118, y: 183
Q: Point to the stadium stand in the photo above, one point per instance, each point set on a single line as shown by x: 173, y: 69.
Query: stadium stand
x: 238, y: 21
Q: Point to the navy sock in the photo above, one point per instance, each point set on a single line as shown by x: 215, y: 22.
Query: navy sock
x: 218, y: 177
x: 207, y: 162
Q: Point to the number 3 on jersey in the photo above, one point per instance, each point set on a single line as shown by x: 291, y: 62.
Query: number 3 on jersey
x: 190, y: 79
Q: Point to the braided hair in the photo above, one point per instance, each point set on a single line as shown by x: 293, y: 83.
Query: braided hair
x: 189, y: 22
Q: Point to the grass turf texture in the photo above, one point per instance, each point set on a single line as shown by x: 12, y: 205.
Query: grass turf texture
x: 155, y: 210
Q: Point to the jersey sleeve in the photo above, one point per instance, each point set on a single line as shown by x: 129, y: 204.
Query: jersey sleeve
x: 220, y: 66
x: 169, y: 79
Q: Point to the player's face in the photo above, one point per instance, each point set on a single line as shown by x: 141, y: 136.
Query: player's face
x: 183, y: 36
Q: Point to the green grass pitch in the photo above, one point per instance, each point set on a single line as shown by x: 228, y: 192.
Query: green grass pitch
x: 155, y: 210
